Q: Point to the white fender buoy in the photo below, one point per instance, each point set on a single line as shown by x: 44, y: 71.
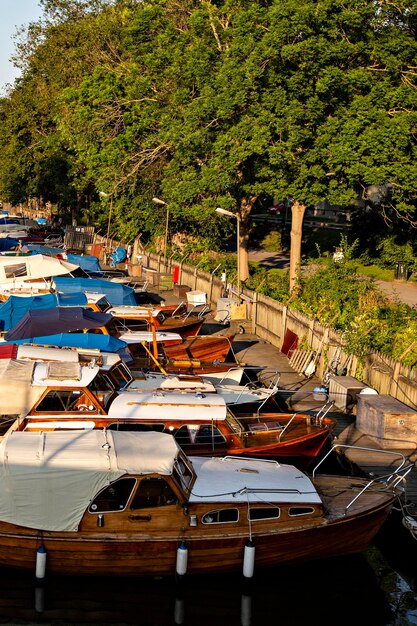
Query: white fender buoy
x: 179, y: 611
x: 246, y: 610
x: 40, y: 563
x: 249, y: 559
x: 39, y: 599
x: 182, y: 559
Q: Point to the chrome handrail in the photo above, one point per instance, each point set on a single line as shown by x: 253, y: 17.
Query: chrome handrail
x: 391, y: 479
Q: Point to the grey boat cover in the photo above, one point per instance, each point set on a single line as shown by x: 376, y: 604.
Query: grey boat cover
x: 17, y: 395
x: 47, y: 480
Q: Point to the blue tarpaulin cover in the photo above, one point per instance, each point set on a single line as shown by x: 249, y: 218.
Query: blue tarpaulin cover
x: 115, y: 293
x: 15, y: 307
x: 39, y: 322
x: 8, y: 220
x: 48, y: 250
x: 118, y: 256
x: 87, y: 263
x: 106, y: 343
x: 7, y: 243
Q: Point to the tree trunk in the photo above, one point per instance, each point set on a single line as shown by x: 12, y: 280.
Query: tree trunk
x: 243, y: 251
x: 297, y: 213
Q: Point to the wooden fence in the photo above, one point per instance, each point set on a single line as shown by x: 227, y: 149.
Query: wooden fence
x: 270, y: 320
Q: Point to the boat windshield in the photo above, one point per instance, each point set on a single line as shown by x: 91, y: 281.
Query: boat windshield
x: 183, y: 473
x: 102, y: 389
x: 119, y: 376
x: 234, y: 423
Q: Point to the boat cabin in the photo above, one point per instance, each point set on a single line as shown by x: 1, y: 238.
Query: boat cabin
x: 59, y: 387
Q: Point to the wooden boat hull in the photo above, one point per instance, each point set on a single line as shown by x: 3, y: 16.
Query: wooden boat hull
x: 138, y: 553
x: 208, y: 348
x: 186, y: 328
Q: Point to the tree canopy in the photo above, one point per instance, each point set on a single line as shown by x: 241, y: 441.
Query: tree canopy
x: 213, y: 103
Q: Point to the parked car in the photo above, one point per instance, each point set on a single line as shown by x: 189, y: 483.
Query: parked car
x: 279, y: 207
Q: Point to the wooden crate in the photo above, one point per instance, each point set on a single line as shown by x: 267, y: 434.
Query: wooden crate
x: 389, y: 421
x: 180, y: 291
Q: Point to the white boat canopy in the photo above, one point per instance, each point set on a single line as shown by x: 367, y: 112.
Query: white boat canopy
x: 47, y: 480
x: 153, y: 381
x: 254, y: 481
x: 40, y: 353
x: 137, y: 336
x: 26, y: 268
x: 160, y: 405
x: 135, y: 312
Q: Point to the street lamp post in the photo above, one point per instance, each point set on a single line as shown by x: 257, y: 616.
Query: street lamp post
x: 237, y: 217
x: 159, y: 201
x: 105, y: 195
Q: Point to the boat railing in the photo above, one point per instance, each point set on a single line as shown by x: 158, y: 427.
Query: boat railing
x: 323, y: 411
x: 391, y: 479
x: 286, y: 427
x: 250, y: 387
x: 225, y: 375
x: 272, y: 388
x: 179, y: 310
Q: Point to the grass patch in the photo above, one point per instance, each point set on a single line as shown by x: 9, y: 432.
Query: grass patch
x: 375, y: 272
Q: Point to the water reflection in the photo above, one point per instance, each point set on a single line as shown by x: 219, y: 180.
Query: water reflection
x: 340, y: 591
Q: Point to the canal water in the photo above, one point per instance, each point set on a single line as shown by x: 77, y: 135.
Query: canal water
x: 374, y: 589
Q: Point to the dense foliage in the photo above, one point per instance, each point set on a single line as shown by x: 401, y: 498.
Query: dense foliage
x: 219, y: 103
x: 211, y: 104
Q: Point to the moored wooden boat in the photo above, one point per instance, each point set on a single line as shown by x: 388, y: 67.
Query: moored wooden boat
x: 207, y: 348
x: 128, y: 503
x: 249, y: 397
x: 202, y: 424
x: 161, y: 318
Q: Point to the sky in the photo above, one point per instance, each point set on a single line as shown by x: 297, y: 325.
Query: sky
x: 13, y: 14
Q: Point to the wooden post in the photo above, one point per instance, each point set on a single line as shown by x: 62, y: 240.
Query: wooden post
x: 254, y: 311
x: 283, y: 323
x: 310, y: 334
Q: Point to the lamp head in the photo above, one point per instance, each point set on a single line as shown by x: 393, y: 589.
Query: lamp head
x: 225, y: 212
x: 158, y: 201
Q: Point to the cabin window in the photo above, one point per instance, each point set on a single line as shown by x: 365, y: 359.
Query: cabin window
x: 102, y: 305
x: 15, y: 270
x: 182, y: 472
x: 263, y: 512
x: 101, y: 387
x: 114, y: 497
x: 205, y: 434
x: 221, y: 516
x: 120, y: 377
x: 234, y: 424
x: 295, y: 511
x: 152, y: 492
x: 137, y: 427
x: 62, y: 400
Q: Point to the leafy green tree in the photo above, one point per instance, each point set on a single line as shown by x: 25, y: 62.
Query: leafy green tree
x: 211, y: 104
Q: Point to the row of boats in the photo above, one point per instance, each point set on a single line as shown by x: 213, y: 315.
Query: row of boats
x: 183, y: 467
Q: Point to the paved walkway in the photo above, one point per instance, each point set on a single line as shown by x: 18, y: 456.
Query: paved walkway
x: 397, y: 290
x: 400, y: 291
